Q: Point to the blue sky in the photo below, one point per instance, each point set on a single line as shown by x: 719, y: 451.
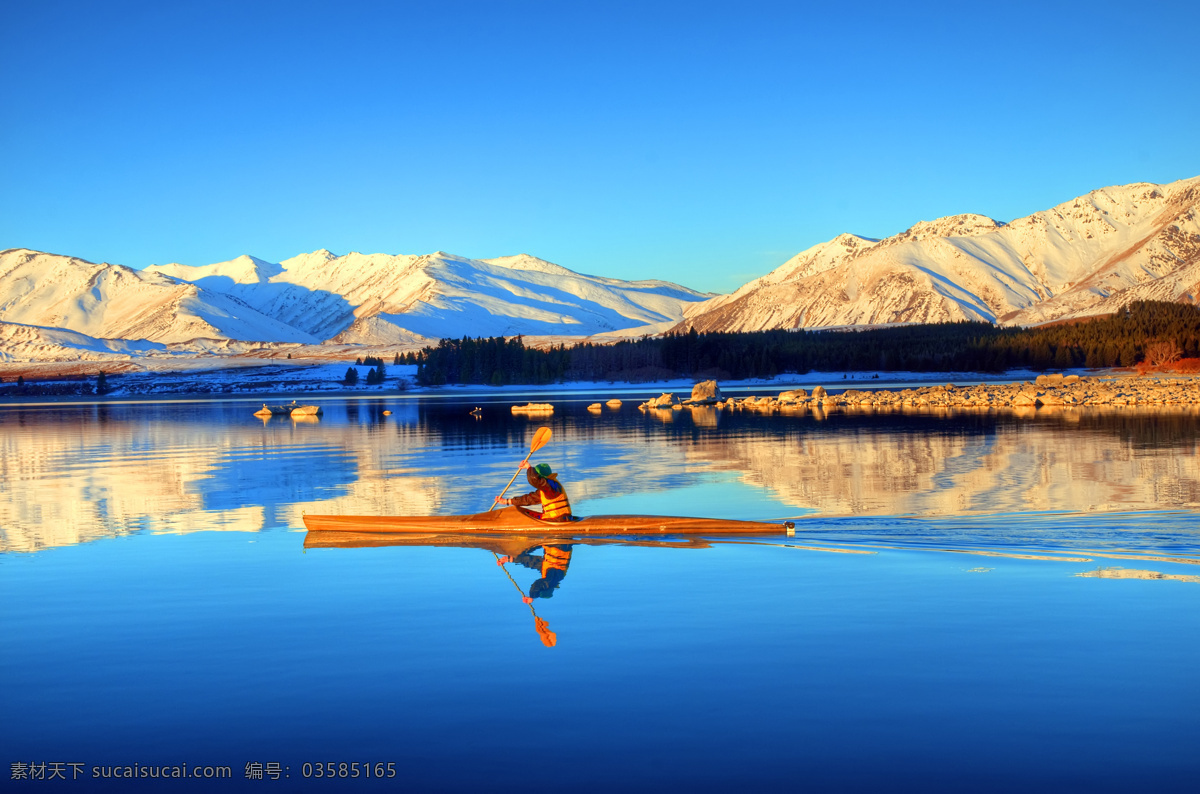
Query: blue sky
x: 703, y: 143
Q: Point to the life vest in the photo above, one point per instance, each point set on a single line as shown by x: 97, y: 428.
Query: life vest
x: 555, y: 558
x: 557, y: 507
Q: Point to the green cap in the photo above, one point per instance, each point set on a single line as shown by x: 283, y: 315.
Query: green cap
x: 543, y: 469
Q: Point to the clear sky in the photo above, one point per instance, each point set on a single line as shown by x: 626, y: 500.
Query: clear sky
x: 703, y: 143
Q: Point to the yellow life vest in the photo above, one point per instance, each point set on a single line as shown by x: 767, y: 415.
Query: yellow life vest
x: 555, y: 558
x: 556, y: 508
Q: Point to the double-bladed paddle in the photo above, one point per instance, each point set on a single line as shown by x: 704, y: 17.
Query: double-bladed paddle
x: 539, y: 440
x: 548, y: 637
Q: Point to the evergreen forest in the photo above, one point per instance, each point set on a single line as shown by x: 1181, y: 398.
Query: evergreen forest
x: 1139, y: 332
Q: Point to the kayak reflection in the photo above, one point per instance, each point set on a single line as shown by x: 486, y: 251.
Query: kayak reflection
x: 510, y: 545
x: 551, y: 564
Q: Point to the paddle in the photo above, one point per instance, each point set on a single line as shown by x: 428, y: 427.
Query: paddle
x: 539, y: 440
x: 548, y: 637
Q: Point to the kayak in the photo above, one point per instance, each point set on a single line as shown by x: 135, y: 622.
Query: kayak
x: 524, y: 522
x: 513, y: 544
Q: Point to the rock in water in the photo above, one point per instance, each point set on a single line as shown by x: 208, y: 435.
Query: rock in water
x: 706, y: 392
x: 664, y: 401
x: 533, y: 408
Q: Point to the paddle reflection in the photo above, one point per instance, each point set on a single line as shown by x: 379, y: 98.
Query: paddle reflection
x: 552, y: 564
x: 550, y: 558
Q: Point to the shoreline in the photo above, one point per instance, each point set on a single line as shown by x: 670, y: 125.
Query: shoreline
x: 1052, y: 391
x: 254, y: 381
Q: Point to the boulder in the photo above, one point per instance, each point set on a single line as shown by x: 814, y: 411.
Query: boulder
x: 533, y: 408
x: 706, y: 392
x: 793, y: 396
x: 818, y: 393
x: 663, y: 401
x: 1049, y: 380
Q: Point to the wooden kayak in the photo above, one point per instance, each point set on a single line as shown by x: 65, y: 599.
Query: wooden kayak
x: 510, y: 544
x: 518, y: 521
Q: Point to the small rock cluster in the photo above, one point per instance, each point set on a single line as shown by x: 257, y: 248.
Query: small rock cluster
x: 704, y: 393
x: 1047, y: 390
x: 533, y: 408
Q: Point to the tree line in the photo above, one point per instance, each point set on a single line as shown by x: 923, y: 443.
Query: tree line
x: 1139, y: 332
x: 375, y: 374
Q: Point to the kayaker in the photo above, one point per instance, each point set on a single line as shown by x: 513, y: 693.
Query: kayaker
x: 549, y: 494
x: 552, y: 564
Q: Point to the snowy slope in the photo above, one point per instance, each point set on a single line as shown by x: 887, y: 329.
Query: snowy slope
x: 381, y: 298
x: 115, y: 302
x: 31, y: 343
x: 1089, y: 255
x: 319, y: 314
x: 316, y: 297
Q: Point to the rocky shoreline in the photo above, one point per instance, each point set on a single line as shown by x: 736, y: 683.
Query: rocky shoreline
x: 1055, y: 390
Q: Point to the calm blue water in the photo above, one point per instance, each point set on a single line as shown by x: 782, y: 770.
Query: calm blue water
x: 976, y: 602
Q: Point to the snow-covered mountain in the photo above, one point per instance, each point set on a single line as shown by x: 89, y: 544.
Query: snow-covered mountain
x: 385, y: 299
x: 115, y: 302
x: 321, y: 297
x: 32, y: 343
x: 1090, y: 255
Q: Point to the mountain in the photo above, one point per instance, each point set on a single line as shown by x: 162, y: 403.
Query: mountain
x: 385, y: 299
x: 32, y: 343
x: 316, y: 297
x: 1090, y: 255
x: 115, y: 302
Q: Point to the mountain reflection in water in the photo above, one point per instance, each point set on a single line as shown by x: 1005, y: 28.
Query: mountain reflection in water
x: 953, y: 611
x: 72, y: 473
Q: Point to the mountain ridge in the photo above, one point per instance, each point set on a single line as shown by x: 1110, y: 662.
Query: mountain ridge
x: 1088, y: 255
x: 321, y: 297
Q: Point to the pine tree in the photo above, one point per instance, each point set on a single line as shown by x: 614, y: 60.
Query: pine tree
x: 351, y: 377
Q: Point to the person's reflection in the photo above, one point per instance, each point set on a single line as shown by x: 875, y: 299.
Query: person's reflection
x: 552, y: 564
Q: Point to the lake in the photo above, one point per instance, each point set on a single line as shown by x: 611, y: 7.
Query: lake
x: 970, y: 600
